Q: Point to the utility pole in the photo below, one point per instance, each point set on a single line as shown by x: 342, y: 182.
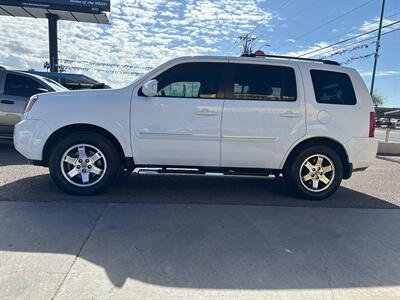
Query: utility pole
x: 378, y: 44
x: 247, y: 41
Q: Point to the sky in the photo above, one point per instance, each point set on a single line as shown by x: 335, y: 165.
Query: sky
x: 146, y: 33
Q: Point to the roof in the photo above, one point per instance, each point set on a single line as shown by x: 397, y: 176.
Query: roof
x: 269, y: 59
x: 41, y: 12
x: 22, y: 73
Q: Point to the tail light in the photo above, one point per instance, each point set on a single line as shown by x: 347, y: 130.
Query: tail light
x: 372, y: 124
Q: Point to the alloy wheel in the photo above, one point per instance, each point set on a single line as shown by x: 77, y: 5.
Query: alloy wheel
x: 83, y: 165
x: 317, y: 173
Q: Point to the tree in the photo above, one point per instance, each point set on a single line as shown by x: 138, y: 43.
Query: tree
x: 46, y: 65
x: 377, y: 99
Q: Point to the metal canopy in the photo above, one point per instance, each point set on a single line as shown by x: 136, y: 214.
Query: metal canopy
x: 41, y: 13
x: 55, y: 10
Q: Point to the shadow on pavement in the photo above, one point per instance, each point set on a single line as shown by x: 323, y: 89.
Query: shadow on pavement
x: 9, y: 156
x: 208, y: 246
x: 175, y: 189
x: 245, y: 243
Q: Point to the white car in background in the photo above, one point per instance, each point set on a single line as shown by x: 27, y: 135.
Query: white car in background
x: 312, y: 122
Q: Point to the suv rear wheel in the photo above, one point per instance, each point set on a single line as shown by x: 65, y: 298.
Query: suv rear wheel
x: 84, y: 163
x: 316, y: 172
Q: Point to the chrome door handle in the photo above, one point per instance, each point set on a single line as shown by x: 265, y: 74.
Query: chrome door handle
x: 7, y: 101
x: 289, y: 114
x: 206, y: 112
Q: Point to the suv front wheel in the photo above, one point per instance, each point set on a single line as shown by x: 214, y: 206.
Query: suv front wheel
x: 84, y: 163
x: 316, y: 172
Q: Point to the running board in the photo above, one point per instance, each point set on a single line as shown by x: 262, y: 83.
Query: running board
x: 189, y: 171
x: 6, y: 137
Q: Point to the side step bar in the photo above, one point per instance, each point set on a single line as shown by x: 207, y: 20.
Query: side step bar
x: 207, y: 172
x: 6, y: 137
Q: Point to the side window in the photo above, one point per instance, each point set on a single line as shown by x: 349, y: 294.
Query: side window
x: 266, y: 83
x: 21, y: 86
x: 190, y: 80
x: 333, y: 88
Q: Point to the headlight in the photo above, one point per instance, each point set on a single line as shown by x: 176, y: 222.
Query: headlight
x: 30, y: 103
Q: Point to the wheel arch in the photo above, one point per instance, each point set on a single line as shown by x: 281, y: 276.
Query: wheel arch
x: 75, y: 128
x: 322, y: 141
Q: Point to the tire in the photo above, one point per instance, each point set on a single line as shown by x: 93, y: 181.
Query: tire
x: 84, y: 163
x: 310, y: 181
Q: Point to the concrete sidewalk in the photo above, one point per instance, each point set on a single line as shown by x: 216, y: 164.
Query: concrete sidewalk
x: 168, y: 251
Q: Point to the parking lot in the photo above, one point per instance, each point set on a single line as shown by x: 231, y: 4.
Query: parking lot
x: 193, y: 237
x: 394, y: 135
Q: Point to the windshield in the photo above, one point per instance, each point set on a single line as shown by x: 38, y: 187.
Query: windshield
x: 55, y: 85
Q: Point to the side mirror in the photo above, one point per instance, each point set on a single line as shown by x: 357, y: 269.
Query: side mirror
x: 150, y: 88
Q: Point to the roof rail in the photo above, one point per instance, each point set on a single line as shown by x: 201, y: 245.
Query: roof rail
x: 2, y: 68
x: 324, y: 61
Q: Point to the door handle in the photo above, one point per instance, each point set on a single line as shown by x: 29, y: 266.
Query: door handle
x: 206, y: 112
x: 289, y: 114
x: 7, y: 101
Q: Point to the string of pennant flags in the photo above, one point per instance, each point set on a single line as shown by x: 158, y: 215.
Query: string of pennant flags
x: 351, y: 59
x: 101, y: 64
x: 102, y: 70
x: 344, y: 51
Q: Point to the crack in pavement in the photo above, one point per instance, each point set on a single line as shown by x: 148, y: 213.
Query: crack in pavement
x: 90, y: 234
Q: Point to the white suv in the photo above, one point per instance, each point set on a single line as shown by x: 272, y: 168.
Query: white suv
x: 312, y: 122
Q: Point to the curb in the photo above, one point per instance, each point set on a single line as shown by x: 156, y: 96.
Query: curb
x: 388, y: 148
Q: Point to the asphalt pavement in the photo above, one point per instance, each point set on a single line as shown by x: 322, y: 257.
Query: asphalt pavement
x: 194, y: 237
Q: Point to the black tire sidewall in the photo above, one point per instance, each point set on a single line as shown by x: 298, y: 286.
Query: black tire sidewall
x: 295, y: 169
x: 103, y: 144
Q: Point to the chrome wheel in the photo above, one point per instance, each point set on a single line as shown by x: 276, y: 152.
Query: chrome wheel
x: 83, y: 165
x: 317, y: 173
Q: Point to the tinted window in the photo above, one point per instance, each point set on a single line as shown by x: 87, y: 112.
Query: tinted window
x: 333, y: 88
x: 192, y: 80
x: 21, y: 86
x: 267, y: 83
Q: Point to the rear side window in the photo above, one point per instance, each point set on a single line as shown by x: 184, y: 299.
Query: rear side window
x: 190, y: 80
x: 265, y: 83
x: 21, y: 86
x: 333, y: 88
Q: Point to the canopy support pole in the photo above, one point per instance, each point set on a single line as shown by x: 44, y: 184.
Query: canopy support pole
x: 53, y: 42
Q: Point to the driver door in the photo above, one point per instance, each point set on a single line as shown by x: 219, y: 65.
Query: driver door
x: 181, y: 125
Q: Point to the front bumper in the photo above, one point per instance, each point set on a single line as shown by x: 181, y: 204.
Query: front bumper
x: 30, y: 137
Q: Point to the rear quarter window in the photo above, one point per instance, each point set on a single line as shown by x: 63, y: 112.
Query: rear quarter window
x: 333, y: 88
x: 264, y: 83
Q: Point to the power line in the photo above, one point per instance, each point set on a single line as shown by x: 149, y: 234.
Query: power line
x: 326, y: 23
x: 285, y: 4
x: 348, y: 39
x: 358, y: 29
x: 235, y: 44
x: 357, y: 42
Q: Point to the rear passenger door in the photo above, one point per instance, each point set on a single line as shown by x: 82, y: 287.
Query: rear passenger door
x: 263, y: 114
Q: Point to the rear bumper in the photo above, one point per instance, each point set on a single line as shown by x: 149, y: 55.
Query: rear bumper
x: 30, y: 137
x: 361, y: 152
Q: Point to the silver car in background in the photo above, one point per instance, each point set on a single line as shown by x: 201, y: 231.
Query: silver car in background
x: 15, y: 90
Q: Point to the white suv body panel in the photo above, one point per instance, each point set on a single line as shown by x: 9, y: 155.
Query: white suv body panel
x: 163, y: 127
x: 158, y: 132
x: 107, y: 109
x: 255, y: 132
